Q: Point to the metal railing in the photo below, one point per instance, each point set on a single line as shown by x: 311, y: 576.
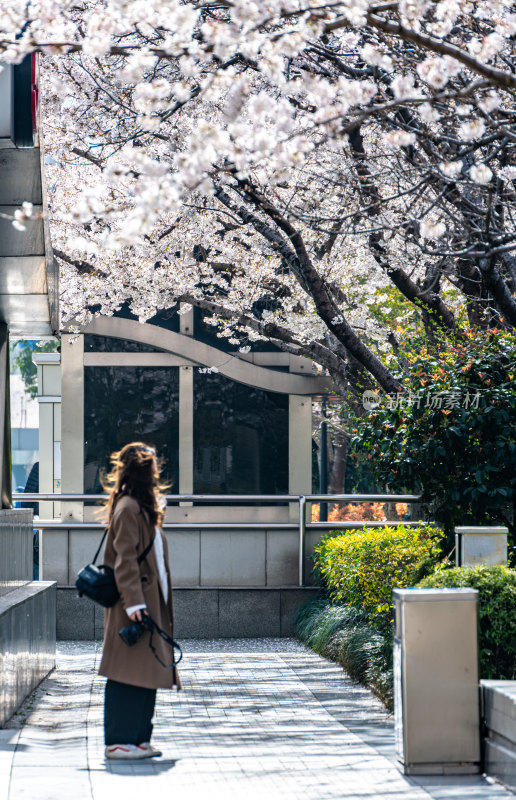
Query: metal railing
x: 301, y: 525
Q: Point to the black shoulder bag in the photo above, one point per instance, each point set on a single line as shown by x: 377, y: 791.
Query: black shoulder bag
x: 98, y: 583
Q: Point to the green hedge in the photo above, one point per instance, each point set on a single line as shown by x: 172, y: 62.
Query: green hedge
x: 361, y: 567
x: 346, y: 635
x: 497, y: 614
x: 351, y: 623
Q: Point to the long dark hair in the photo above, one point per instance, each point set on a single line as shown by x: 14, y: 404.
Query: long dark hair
x: 136, y: 472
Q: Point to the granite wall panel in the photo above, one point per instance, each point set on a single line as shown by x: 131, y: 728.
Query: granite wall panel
x: 200, y: 613
x: 27, y: 642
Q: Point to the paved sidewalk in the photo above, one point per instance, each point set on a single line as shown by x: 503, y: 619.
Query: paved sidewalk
x: 258, y: 720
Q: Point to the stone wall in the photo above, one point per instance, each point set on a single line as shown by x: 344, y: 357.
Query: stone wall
x: 27, y: 642
x: 27, y: 614
x: 227, y: 583
x: 201, y: 613
x: 223, y: 558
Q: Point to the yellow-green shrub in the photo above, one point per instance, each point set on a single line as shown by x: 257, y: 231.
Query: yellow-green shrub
x: 362, y: 567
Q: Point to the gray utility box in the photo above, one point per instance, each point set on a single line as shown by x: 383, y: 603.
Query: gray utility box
x: 476, y: 545
x: 436, y: 696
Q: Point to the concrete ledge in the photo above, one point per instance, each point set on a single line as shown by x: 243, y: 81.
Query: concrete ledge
x: 499, y: 716
x: 27, y: 642
x: 200, y: 612
x: 499, y: 707
x: 500, y: 762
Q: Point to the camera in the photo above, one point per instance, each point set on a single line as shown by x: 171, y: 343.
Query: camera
x: 132, y: 633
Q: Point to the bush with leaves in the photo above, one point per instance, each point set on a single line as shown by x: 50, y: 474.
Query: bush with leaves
x: 496, y: 611
x: 452, y: 434
x: 351, y: 622
x: 347, y: 636
x: 21, y: 355
x: 360, y: 568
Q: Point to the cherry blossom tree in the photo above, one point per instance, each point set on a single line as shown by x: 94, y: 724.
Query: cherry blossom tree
x: 315, y: 174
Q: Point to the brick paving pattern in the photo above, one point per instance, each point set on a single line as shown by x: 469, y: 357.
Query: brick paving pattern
x: 258, y: 720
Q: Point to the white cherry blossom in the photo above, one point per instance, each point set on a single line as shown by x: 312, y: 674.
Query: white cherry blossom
x: 248, y: 157
x: 473, y: 129
x: 481, y: 173
x: 451, y: 168
x: 429, y: 230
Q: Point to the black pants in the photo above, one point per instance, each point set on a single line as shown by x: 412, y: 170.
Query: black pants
x: 128, y: 713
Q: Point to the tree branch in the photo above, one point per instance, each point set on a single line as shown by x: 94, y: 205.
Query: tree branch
x: 498, y: 77
x: 327, y: 309
x: 82, y: 267
x: 88, y: 156
x: 426, y: 299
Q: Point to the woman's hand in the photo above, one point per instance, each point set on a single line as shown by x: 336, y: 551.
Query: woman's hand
x: 138, y: 615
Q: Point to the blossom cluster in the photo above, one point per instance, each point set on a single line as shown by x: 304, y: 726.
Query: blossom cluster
x: 186, y: 142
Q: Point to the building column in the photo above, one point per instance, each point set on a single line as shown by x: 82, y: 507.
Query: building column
x: 5, y: 420
x: 49, y: 399
x: 185, y: 482
x: 185, y: 430
x: 72, y: 424
x: 300, y: 449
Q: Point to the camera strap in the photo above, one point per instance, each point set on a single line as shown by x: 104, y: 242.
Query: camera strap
x: 147, y: 550
x: 173, y: 644
x: 140, y: 558
x: 100, y: 546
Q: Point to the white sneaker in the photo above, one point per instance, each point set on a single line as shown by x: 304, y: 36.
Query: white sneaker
x: 127, y: 751
x: 151, y: 751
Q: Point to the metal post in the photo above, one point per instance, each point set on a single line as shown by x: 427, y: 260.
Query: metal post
x: 458, y: 549
x: 323, y: 468
x: 5, y: 421
x: 302, y: 538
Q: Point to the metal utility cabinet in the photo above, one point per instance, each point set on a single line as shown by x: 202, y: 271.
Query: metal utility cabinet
x: 477, y: 545
x: 436, y: 681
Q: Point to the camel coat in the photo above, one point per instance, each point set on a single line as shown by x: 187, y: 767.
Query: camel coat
x: 129, y: 533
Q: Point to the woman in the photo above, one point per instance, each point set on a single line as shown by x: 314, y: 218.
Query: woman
x: 135, y: 513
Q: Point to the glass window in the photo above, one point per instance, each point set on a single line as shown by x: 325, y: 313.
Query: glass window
x: 240, y: 438
x: 125, y: 404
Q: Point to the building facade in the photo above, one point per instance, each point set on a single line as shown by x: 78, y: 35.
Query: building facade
x: 28, y: 309
x: 225, y: 423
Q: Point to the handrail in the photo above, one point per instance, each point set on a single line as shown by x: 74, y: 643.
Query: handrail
x: 301, y: 525
x: 241, y: 526
x: 223, y: 498
x: 365, y: 498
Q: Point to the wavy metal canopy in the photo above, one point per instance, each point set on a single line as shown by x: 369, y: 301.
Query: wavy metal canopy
x: 200, y: 354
